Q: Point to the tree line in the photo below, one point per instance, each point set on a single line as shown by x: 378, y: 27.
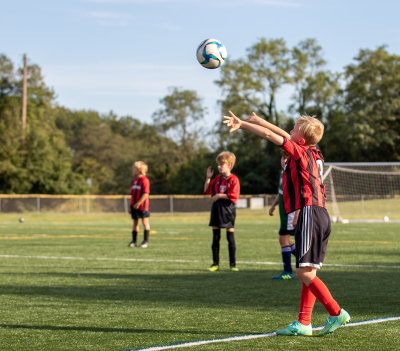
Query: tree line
x: 78, y: 151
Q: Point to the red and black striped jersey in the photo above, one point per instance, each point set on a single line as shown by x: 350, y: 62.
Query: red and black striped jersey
x: 302, y: 177
x: 140, y: 186
x: 229, y: 186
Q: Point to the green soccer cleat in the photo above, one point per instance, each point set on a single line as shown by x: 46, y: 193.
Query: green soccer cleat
x: 213, y: 268
x: 284, y: 276
x: 296, y: 329
x: 334, y: 322
x: 234, y: 269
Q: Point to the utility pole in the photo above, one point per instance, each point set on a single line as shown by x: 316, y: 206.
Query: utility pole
x: 24, y: 91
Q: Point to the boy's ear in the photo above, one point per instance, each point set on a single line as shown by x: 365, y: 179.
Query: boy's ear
x: 301, y: 141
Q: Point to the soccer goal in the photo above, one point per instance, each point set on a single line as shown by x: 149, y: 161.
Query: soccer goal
x: 363, y: 191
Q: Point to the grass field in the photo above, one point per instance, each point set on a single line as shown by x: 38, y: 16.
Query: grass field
x: 87, y: 292
x: 367, y: 210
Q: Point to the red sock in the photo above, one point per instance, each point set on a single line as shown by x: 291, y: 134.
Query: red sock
x: 307, y: 301
x: 320, y: 290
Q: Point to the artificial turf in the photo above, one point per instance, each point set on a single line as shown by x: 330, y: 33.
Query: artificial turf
x: 71, y: 283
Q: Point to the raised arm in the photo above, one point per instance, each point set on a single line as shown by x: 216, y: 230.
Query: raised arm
x: 235, y: 123
x: 209, y: 174
x: 254, y: 119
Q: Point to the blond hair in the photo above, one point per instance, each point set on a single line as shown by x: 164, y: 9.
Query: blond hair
x: 311, y: 129
x: 141, y: 166
x: 226, y: 157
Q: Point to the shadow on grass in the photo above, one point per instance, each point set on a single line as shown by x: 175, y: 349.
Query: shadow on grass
x: 109, y: 330
x: 357, y: 291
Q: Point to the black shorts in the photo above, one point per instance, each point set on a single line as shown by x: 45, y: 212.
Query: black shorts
x: 136, y: 214
x: 311, y: 235
x: 286, y: 231
x: 223, y: 214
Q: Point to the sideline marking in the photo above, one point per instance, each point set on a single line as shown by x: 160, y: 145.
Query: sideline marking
x: 181, y: 261
x: 63, y: 236
x: 251, y: 336
x: 100, y: 259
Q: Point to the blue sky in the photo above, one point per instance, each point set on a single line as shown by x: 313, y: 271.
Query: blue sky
x: 122, y: 55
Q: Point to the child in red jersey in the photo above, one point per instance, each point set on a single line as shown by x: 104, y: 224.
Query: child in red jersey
x: 140, y: 190
x: 303, y: 189
x: 225, y: 190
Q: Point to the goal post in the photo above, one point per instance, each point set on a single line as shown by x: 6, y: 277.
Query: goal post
x: 363, y: 191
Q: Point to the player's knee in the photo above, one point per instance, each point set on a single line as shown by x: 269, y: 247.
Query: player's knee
x: 300, y: 274
x: 284, y: 240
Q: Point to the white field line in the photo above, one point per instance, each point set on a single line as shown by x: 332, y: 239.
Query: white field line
x: 99, y: 259
x: 179, y: 261
x: 325, y: 265
x: 251, y: 336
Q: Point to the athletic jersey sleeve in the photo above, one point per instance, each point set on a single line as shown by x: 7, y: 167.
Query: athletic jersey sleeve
x: 210, y: 188
x: 146, y: 186
x: 233, y: 189
x: 293, y: 149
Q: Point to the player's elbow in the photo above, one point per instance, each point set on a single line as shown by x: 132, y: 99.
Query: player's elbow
x: 267, y: 134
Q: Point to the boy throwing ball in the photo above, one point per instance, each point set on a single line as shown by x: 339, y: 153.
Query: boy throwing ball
x: 303, y: 189
x: 140, y: 190
x: 225, y: 190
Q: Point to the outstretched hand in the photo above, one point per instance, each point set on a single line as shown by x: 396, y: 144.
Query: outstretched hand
x: 233, y: 122
x: 253, y: 118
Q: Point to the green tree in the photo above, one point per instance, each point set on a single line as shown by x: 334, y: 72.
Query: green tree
x: 144, y: 143
x: 372, y: 106
x: 188, y: 177
x: 315, y: 89
x: 252, y: 83
x: 7, y: 77
x: 179, y: 116
x: 105, y: 146
x: 43, y: 163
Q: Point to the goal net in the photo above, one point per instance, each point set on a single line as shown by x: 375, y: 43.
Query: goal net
x: 363, y: 191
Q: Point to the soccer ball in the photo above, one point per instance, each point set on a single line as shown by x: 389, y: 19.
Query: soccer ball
x: 211, y: 53
x: 21, y: 220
